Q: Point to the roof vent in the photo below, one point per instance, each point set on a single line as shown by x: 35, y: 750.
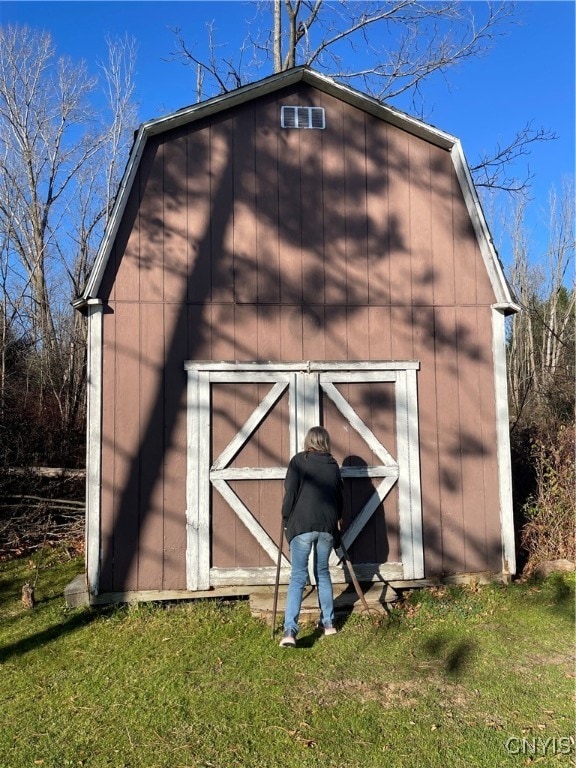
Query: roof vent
x: 303, y: 117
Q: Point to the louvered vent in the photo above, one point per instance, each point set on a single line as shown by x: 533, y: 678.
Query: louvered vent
x: 303, y: 117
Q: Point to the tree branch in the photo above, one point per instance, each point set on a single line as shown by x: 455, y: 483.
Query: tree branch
x: 492, y: 171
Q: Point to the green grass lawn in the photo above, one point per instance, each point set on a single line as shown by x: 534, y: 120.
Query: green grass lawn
x: 468, y: 677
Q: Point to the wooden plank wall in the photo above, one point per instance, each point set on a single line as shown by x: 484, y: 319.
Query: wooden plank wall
x: 242, y: 241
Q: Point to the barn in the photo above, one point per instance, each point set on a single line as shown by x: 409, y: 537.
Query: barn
x: 288, y: 254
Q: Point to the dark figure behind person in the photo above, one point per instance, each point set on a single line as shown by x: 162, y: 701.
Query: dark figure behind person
x: 311, y: 511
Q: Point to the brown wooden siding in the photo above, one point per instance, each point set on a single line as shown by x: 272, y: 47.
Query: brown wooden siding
x: 242, y: 241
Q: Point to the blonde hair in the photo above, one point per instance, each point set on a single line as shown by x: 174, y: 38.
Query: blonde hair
x: 317, y: 439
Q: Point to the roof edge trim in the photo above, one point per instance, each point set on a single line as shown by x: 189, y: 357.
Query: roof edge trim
x: 500, y: 286
x: 289, y: 77
x: 93, y: 283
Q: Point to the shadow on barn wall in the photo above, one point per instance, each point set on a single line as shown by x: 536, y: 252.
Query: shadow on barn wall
x: 218, y: 278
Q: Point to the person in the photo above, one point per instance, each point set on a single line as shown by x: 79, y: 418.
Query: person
x: 311, y: 512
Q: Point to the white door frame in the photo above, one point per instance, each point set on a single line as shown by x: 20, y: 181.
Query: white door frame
x: 304, y: 382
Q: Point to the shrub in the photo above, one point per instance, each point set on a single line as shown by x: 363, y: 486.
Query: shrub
x: 549, y: 531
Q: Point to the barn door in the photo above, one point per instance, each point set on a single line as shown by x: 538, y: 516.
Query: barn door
x: 217, y: 479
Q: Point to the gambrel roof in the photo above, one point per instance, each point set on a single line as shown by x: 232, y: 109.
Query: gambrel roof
x: 504, y: 298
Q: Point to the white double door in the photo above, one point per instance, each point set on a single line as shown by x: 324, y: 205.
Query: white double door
x: 307, y: 386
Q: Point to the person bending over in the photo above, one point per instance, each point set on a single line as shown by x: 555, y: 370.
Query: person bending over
x: 311, y: 512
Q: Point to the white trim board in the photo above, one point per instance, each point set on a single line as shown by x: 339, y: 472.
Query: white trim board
x: 503, y: 442
x: 94, y: 445
x: 304, y: 365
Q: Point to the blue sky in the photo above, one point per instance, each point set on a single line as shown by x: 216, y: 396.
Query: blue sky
x: 527, y: 78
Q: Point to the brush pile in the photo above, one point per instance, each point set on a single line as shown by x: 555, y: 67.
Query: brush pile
x: 40, y: 507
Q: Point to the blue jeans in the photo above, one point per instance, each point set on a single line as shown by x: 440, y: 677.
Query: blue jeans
x: 300, y: 548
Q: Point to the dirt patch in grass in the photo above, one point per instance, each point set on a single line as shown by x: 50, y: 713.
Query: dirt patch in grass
x: 535, y: 660
x: 397, y: 694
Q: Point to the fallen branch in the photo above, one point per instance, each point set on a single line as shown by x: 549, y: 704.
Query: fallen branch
x: 44, y: 500
x: 49, y: 472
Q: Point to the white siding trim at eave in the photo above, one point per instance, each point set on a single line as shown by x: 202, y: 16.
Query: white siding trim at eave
x: 500, y: 286
x: 94, y: 444
x: 101, y: 260
x: 503, y: 441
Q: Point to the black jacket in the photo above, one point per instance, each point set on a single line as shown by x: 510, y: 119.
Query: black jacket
x: 313, y: 494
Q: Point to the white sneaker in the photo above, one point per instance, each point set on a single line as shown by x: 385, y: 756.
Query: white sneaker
x: 288, y: 639
x: 326, y: 630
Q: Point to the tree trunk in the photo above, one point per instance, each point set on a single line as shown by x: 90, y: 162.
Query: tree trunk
x: 277, y: 36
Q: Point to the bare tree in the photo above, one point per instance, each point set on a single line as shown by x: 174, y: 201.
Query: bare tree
x: 37, y: 163
x: 541, y: 345
x: 521, y: 362
x: 557, y: 351
x: 403, y: 43
x: 60, y: 163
